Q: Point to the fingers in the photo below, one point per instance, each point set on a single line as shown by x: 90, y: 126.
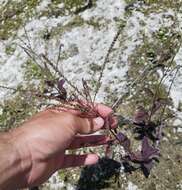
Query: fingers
x: 90, y: 125
x: 86, y: 126
x: 79, y: 160
x: 107, y: 114
x: 103, y: 110
x: 97, y: 123
x: 85, y: 141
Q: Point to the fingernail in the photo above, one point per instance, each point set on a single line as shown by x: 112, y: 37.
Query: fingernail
x: 99, y: 122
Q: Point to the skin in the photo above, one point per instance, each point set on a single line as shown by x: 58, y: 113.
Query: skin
x: 30, y: 154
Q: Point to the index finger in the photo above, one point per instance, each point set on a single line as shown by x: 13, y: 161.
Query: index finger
x: 103, y: 110
x: 106, y: 112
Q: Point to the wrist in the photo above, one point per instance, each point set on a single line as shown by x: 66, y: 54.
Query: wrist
x: 21, y: 147
x: 15, y: 161
x: 10, y: 161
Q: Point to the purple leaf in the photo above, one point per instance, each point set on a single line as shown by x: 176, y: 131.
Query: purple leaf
x: 124, y: 141
x: 140, y: 116
x: 136, y: 157
x: 60, y: 84
x: 62, y: 91
x: 148, y: 165
x: 146, y: 168
x: 148, y: 152
x: 121, y: 136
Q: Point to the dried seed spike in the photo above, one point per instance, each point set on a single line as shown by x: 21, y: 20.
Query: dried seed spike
x: 106, y: 60
x: 59, y: 55
x: 86, y: 91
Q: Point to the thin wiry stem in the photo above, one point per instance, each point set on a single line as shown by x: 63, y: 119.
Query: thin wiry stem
x: 28, y: 50
x: 8, y: 88
x: 170, y: 87
x: 155, y: 95
x: 163, y: 78
x: 27, y: 36
x: 59, y: 55
x: 106, y: 60
x: 44, y: 70
x: 86, y: 91
x: 87, y: 6
x: 61, y: 74
x: 29, y: 46
x: 31, y: 54
x: 35, y: 93
x: 34, y: 56
x: 119, y: 99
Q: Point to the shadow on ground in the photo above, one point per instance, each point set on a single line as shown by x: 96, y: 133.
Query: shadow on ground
x: 96, y: 177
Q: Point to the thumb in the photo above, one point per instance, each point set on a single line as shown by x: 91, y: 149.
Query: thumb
x: 86, y: 126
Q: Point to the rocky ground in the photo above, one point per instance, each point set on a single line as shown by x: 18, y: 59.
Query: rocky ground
x: 149, y: 36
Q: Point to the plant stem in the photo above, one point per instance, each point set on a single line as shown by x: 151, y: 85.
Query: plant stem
x: 106, y: 60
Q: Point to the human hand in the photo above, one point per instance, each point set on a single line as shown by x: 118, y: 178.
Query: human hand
x: 42, y: 141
